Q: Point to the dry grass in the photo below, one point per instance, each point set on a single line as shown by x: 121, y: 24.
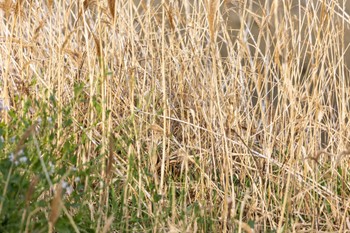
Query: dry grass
x: 260, y: 136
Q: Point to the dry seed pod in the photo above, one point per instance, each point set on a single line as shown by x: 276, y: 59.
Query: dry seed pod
x: 56, y: 206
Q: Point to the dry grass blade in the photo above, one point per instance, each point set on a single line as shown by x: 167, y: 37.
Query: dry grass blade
x: 98, y: 46
x: 50, y: 5
x: 108, y: 224
x: 171, y: 18
x: 111, y: 7
x: 19, y: 8
x: 89, y: 4
x: 37, y: 30
x: 245, y: 226
x: 7, y: 6
x: 212, y: 15
x: 31, y: 189
x: 110, y: 160
x: 229, y: 207
x: 56, y: 207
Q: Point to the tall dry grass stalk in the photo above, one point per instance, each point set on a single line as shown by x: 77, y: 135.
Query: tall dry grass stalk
x: 212, y: 18
x: 201, y: 103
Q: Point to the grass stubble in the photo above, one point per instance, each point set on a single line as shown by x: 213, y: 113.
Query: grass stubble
x: 167, y: 134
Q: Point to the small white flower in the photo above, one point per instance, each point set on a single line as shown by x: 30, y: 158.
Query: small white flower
x: 3, y: 106
x: 11, y: 157
x: 77, y: 179
x: 74, y: 169
x: 39, y: 120
x: 64, y: 184
x: 52, y: 168
x: 21, y: 152
x: 49, y: 119
x: 2, y: 139
x: 12, y: 140
x: 16, y: 162
x: 69, y: 190
x: 23, y: 159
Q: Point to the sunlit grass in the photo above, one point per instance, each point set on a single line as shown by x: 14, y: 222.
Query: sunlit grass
x: 117, y: 116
